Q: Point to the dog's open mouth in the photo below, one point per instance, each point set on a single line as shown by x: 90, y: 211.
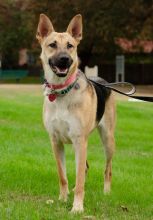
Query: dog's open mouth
x: 60, y: 64
x: 60, y: 71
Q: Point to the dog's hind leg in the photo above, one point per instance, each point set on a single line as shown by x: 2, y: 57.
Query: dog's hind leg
x: 106, y: 129
x: 58, y: 149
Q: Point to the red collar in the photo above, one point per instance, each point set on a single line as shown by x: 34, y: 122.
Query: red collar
x: 68, y: 82
x: 63, y: 88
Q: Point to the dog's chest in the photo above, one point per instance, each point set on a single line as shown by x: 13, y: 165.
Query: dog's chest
x: 60, y: 121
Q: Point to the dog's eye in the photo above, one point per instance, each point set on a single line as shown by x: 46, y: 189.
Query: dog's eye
x: 69, y: 46
x: 53, y: 45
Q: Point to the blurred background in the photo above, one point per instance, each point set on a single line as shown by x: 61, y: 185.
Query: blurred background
x: 115, y: 33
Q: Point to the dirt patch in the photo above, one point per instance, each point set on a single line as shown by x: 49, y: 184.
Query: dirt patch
x: 146, y: 90
x: 16, y: 88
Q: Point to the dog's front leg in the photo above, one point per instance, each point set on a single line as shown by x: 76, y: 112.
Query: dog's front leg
x: 58, y: 149
x: 80, y: 146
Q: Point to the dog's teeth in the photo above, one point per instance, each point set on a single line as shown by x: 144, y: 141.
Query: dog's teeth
x: 61, y: 70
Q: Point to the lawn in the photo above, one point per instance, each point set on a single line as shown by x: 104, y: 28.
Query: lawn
x: 28, y: 176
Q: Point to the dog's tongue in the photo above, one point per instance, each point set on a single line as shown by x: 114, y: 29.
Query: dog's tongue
x: 61, y: 70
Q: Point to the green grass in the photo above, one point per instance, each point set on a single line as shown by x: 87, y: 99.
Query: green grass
x: 28, y: 174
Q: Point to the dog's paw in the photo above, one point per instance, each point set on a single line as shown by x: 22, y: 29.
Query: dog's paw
x: 106, y: 193
x: 64, y: 192
x: 77, y: 208
x: 63, y: 198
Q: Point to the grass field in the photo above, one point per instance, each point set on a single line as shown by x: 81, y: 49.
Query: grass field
x: 28, y: 176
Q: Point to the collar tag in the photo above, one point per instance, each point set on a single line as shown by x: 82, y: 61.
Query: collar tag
x: 52, y: 97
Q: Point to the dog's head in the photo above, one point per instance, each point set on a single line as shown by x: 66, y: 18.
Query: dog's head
x: 59, y: 50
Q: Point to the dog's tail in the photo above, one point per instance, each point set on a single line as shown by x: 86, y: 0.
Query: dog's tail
x: 87, y: 167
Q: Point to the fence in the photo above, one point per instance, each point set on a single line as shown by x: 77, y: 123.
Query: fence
x: 134, y: 73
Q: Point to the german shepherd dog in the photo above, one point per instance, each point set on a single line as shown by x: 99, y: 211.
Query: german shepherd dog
x: 73, y: 106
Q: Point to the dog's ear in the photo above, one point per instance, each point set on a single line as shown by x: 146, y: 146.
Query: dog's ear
x: 75, y: 27
x: 45, y: 27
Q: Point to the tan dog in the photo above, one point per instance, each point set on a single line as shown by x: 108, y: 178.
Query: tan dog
x: 73, y: 106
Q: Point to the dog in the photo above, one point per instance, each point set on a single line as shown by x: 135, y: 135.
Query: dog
x: 73, y: 106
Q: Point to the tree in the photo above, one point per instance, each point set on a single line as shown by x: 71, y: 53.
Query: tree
x: 104, y: 20
x: 15, y: 28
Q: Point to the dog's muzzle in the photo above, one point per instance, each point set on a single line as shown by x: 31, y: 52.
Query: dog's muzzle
x: 60, y: 64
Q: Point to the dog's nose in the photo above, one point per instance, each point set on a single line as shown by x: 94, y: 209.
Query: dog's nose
x: 64, y: 59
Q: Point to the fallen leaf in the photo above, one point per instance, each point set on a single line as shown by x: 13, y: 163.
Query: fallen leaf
x: 49, y: 202
x: 124, y: 208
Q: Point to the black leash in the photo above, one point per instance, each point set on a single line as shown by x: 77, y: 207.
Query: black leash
x: 129, y: 94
